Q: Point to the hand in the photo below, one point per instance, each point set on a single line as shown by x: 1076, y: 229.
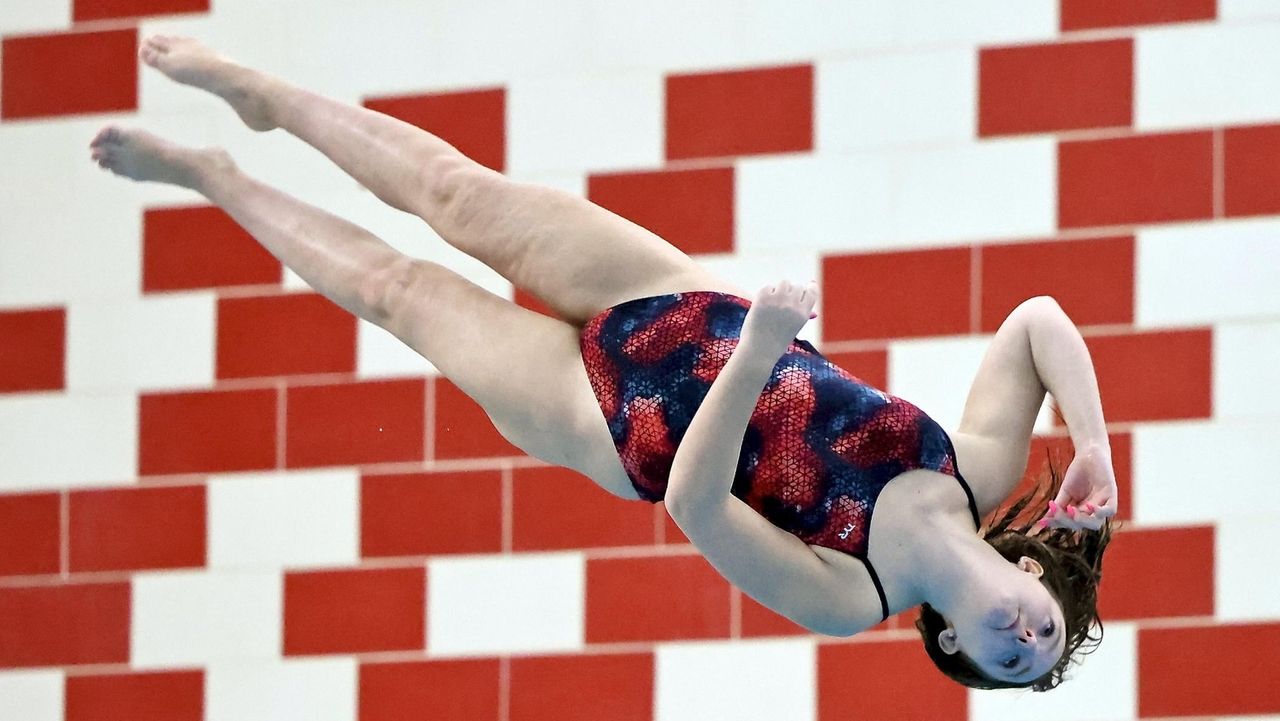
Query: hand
x: 778, y: 313
x: 1088, y: 495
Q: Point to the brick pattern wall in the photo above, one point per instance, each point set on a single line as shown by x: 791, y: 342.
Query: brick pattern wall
x: 223, y: 498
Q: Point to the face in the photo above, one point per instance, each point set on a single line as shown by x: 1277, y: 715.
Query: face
x: 1017, y: 637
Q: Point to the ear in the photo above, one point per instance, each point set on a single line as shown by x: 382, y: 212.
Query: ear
x: 1030, y: 565
x: 947, y: 641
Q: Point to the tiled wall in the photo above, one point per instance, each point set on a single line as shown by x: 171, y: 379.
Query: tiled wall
x: 223, y: 498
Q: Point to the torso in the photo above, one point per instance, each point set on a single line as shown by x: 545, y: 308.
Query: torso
x: 822, y: 450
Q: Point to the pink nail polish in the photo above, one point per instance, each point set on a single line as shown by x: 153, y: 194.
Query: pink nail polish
x: 1044, y: 523
x: 1071, y: 511
x: 1053, y: 507
x: 1091, y: 507
x: 812, y: 316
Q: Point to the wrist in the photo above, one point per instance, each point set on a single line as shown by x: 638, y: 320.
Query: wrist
x: 760, y: 352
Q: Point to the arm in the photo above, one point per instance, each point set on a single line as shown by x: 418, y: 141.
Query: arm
x: 1036, y: 349
x: 770, y: 565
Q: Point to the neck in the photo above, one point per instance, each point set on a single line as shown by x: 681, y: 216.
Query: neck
x: 956, y: 566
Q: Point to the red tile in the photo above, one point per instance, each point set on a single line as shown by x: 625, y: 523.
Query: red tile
x: 760, y: 620
x: 64, y: 625
x: 429, y: 690
x: 83, y: 10
x: 618, y: 687
x: 201, y: 247
x: 68, y: 74
x: 1140, y: 582
x: 870, y: 366
x: 525, y: 299
x: 421, y: 514
x: 661, y: 598
x: 1082, y: 14
x: 1140, y: 179
x: 1056, y: 86
x: 202, y: 432
x: 462, y: 429
x: 672, y: 534
x: 1154, y: 376
x: 742, y: 112
x: 473, y: 121
x: 353, y: 423
x: 1209, y: 670
x: 691, y: 209
x: 556, y: 508
x: 167, y: 696
x: 885, y: 681
x: 355, y: 611
x: 896, y: 295
x: 30, y: 534
x: 1252, y: 170
x: 1091, y: 279
x: 138, y: 528
x: 1060, y: 449
x: 33, y: 348
x: 280, y: 335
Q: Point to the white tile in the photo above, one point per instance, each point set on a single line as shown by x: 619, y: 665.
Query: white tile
x: 752, y: 271
x: 195, y: 618
x: 898, y: 99
x: 996, y: 189
x: 1246, y: 371
x: 276, y: 520
x: 485, y: 40
x: 1102, y: 688
x: 1190, y: 473
x: 668, y: 34
x: 31, y: 696
x: 1204, y: 273
x: 510, y: 604
x: 986, y: 22
x: 585, y: 122
x: 35, y: 16
x: 1245, y: 589
x: 935, y: 375
x: 304, y: 690
x: 146, y: 343
x: 1247, y: 9
x: 808, y: 202
x: 781, y: 31
x: 382, y: 355
x: 741, y: 680
x: 1206, y: 74
x: 59, y: 440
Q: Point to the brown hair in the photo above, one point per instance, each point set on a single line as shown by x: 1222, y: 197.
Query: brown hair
x: 1072, y: 562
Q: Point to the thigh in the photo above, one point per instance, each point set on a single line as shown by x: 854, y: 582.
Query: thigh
x: 575, y: 256
x: 523, y: 368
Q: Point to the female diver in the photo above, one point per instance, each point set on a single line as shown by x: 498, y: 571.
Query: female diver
x: 662, y: 382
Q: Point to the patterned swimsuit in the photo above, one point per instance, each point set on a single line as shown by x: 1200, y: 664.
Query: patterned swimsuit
x: 820, y: 446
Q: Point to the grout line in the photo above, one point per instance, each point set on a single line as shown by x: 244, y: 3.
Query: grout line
x: 282, y: 427
x: 975, y: 289
x: 428, y: 424
x: 64, y: 524
x: 504, y: 688
x: 1219, y: 173
x: 508, y: 510
x: 735, y: 613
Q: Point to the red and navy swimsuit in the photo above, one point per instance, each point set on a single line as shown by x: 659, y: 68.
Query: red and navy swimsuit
x: 820, y: 446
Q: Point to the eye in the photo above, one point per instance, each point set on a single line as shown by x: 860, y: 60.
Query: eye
x: 1048, y: 630
x: 1010, y: 662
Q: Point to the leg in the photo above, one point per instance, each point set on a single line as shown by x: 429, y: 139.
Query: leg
x: 543, y: 403
x: 576, y: 256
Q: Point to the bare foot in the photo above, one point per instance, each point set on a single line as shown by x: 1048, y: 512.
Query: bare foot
x: 139, y: 155
x: 190, y: 62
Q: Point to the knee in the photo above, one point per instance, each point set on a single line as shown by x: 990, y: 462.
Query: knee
x: 456, y: 188
x: 385, y: 291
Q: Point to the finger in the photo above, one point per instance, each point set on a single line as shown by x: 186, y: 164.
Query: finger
x: 1063, y: 516
x: 784, y: 286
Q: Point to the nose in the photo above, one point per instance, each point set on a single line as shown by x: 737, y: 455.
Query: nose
x: 1027, y: 636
